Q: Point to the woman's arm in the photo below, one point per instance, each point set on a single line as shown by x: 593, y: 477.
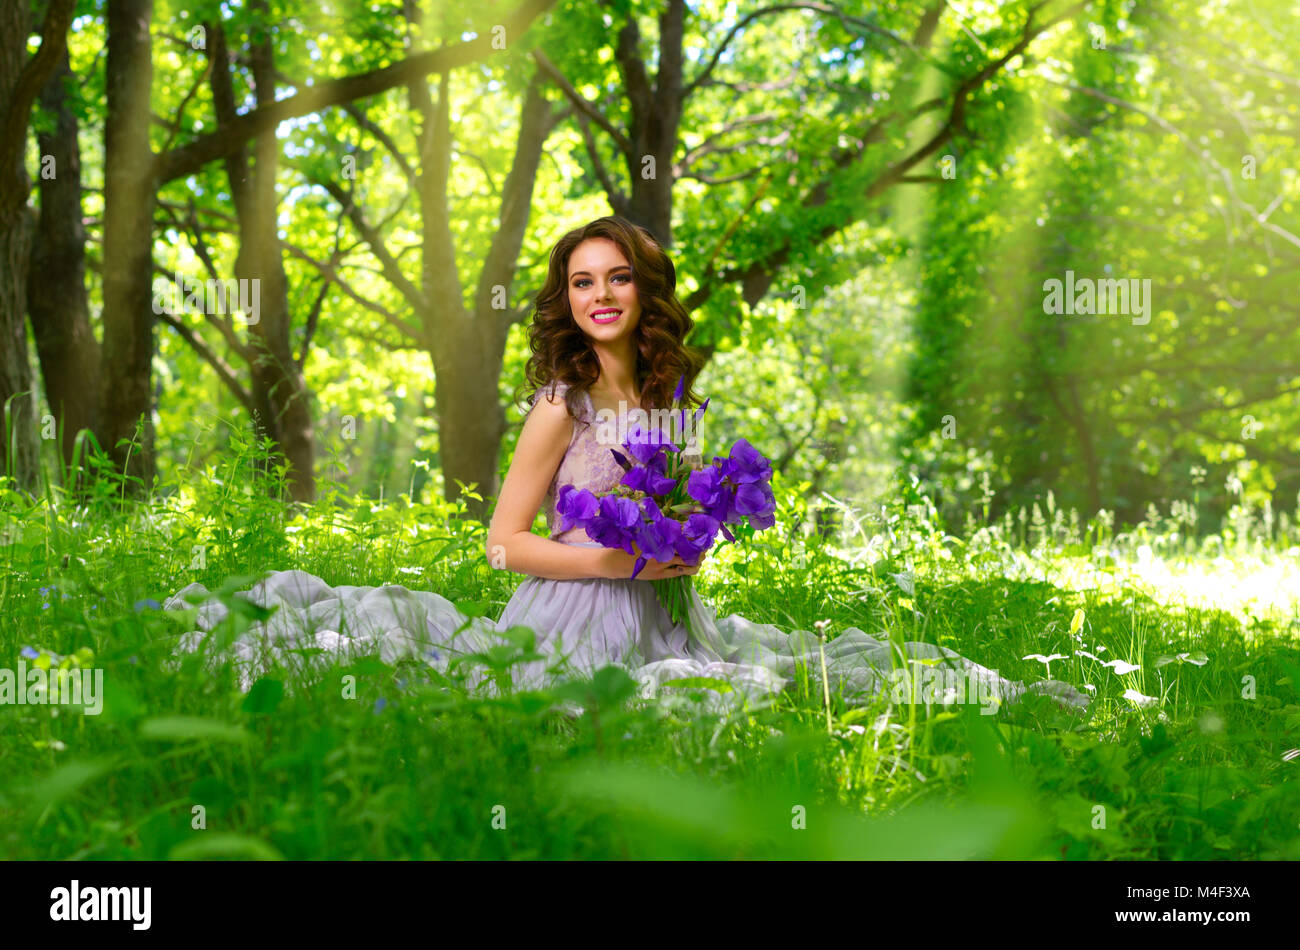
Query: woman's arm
x: 511, y: 544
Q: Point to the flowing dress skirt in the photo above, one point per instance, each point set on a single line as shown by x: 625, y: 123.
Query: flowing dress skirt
x: 581, y: 626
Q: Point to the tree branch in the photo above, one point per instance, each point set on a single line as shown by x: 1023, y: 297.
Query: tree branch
x: 223, y: 369
x: 189, y: 158
x: 331, y: 272
x: 822, y: 8
x: 36, y: 73
x: 581, y: 103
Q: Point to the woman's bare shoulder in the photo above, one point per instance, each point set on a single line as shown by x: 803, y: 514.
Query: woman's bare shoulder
x: 554, y: 393
x: 550, y: 410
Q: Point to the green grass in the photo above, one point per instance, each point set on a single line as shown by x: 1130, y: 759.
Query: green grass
x: 182, y: 764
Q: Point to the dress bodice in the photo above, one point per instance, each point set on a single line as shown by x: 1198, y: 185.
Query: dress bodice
x: 588, y: 462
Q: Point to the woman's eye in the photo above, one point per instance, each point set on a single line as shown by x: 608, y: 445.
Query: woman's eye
x: 581, y: 281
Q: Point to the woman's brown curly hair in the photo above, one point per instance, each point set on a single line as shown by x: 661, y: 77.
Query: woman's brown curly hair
x: 561, y: 352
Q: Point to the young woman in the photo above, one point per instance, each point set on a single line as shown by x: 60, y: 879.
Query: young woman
x: 607, y: 338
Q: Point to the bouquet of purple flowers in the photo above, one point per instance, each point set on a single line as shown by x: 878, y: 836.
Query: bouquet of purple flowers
x: 670, y: 503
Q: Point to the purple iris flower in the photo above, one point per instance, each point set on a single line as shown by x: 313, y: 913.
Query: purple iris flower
x: 658, y: 533
x: 682, y: 413
x: 698, y: 534
x: 650, y: 477
x: 705, y: 485
x: 657, y: 536
x: 575, y: 506
x: 728, y: 491
x: 677, y: 398
x: 615, y: 523
x: 710, y: 487
x: 747, y: 464
x: 643, y: 444
x: 756, y: 501
x: 695, y: 420
x: 727, y: 513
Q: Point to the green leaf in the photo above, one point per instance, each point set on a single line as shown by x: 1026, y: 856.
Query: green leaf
x: 66, y: 779
x: 523, y: 637
x: 610, y: 686
x: 473, y: 608
x: 206, y: 846
x: 182, y: 728
x: 264, y: 696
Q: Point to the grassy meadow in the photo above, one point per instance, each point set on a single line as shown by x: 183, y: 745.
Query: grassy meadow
x: 1185, y: 639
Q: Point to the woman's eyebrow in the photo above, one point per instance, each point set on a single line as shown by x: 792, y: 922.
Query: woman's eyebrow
x: 610, y: 271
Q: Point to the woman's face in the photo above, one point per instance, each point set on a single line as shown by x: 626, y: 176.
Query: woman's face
x: 602, y: 296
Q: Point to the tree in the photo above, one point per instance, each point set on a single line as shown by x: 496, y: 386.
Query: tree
x: 56, y: 280
x: 133, y: 175
x: 21, y: 80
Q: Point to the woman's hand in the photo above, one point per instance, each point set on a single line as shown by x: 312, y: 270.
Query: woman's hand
x: 621, y: 564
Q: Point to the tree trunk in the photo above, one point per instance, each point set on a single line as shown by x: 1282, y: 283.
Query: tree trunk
x: 56, y: 284
x: 277, y: 388
x: 21, y: 79
x: 471, y: 422
x: 656, y: 118
x: 467, y: 402
x: 467, y: 349
x: 15, y: 371
x: 129, y: 195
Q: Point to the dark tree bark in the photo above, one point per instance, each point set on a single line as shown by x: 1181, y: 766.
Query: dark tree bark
x: 278, y: 388
x: 130, y: 190
x: 21, y: 80
x: 649, y: 144
x: 56, y: 284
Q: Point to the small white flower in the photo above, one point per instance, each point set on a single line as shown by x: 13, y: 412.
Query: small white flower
x: 1045, y: 659
x: 1136, y: 697
x: 1121, y: 667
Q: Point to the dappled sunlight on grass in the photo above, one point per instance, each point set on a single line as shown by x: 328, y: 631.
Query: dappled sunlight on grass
x: 1249, y: 585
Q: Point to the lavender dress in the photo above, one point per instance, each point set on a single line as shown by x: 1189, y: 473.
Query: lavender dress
x: 583, y: 625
